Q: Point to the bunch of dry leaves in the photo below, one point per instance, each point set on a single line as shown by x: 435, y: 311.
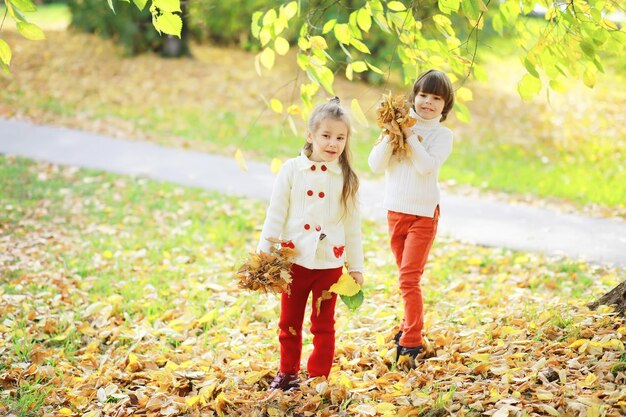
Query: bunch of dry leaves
x: 268, y: 272
x: 392, y: 116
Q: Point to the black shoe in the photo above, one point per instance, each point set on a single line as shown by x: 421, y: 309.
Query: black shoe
x: 285, y: 382
x: 410, y: 351
x: 397, y: 337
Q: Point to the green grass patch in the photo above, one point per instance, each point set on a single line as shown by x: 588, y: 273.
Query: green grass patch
x: 47, y: 16
x: 582, y: 178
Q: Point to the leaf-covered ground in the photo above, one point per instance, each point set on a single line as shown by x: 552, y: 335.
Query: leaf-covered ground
x: 118, y: 297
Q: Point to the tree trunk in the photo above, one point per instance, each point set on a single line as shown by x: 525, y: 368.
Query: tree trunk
x: 174, y: 47
x: 616, y: 297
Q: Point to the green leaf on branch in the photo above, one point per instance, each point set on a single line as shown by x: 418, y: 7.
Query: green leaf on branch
x: 267, y: 58
x: 359, y: 66
x: 530, y: 68
x: 461, y: 112
x: 170, y: 6
x: 30, y: 31
x: 396, y: 6
x: 281, y: 45
x: 169, y: 23
x: 364, y: 19
x: 528, y: 87
x: 5, y: 53
x: 289, y: 10
x: 111, y: 5
x: 328, y: 26
x: 360, y: 46
x: 141, y: 4
x: 448, y: 6
x: 322, y: 76
x: 342, y: 33
x: 24, y: 5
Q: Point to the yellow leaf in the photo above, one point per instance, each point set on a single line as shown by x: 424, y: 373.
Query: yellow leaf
x: 594, y: 411
x: 474, y: 261
x: 107, y: 254
x: 480, y: 357
x: 276, y: 105
x: 464, y: 94
x: 545, y: 395
x: 275, y: 166
x: 345, y: 286
x: 281, y: 45
x: 5, y: 52
x: 385, y: 408
x: 208, y: 317
x: 396, y: 6
x: 577, y: 343
x: 614, y: 344
x: 65, y: 412
x: 192, y: 401
x: 358, y: 112
x: 318, y: 42
x: 241, y: 161
x: 267, y: 58
x: 380, y: 340
x: 293, y: 109
x: 588, y: 382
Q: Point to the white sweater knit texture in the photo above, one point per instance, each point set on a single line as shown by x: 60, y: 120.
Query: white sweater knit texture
x: 305, y: 208
x: 411, y: 181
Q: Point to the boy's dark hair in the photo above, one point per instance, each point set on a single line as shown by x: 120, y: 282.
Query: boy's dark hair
x: 434, y: 82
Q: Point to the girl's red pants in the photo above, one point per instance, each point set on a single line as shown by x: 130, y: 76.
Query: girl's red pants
x: 411, y: 239
x: 306, y: 281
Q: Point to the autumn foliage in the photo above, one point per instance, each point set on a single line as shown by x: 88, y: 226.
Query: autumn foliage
x: 392, y: 116
x: 267, y: 272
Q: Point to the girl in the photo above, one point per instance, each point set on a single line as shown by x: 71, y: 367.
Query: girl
x: 412, y: 196
x: 314, y: 209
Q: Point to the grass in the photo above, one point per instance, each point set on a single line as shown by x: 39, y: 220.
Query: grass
x: 47, y: 17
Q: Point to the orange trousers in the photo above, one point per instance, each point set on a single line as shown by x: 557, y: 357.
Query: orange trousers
x: 411, y: 239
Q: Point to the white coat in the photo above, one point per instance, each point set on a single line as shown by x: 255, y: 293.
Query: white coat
x: 305, y: 209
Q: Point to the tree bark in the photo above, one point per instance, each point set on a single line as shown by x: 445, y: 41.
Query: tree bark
x: 616, y: 298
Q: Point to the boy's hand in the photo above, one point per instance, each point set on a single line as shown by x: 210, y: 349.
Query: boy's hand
x: 357, y: 277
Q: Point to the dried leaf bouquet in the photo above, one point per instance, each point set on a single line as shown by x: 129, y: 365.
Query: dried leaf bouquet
x: 393, y: 114
x: 268, y: 272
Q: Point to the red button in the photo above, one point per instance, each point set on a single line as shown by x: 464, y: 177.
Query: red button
x: 310, y: 192
x: 324, y: 168
x: 307, y: 227
x: 318, y: 228
x: 321, y: 195
x: 312, y: 167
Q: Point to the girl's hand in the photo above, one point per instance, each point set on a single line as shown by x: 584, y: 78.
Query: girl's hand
x: 357, y: 277
x: 408, y: 132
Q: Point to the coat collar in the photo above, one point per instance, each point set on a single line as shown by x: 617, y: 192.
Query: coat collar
x: 305, y: 163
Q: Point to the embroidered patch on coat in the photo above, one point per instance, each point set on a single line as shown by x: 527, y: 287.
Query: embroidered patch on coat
x: 338, y: 250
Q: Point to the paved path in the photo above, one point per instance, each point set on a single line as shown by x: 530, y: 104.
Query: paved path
x: 482, y: 221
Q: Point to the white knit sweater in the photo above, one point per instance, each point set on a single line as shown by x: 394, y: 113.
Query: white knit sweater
x: 305, y: 208
x: 411, y: 181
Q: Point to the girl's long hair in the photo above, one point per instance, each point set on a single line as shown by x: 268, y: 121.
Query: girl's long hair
x: 333, y: 110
